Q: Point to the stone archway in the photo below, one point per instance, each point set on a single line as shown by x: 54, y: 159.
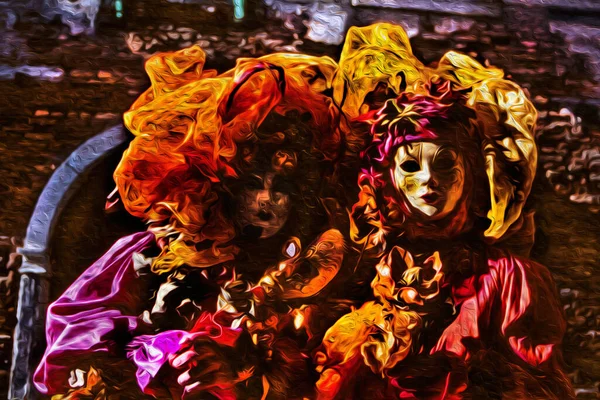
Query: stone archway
x: 36, y: 267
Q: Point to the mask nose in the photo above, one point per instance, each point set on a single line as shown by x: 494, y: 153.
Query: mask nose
x: 426, y: 177
x: 264, y: 205
x: 264, y: 199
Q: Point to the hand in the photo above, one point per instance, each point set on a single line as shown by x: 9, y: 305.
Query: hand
x: 203, y: 368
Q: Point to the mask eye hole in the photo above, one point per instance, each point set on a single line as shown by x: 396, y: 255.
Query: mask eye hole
x: 410, y: 166
x: 444, y: 164
x: 445, y: 160
x: 254, y: 182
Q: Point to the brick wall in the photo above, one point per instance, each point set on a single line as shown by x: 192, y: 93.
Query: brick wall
x: 57, y: 90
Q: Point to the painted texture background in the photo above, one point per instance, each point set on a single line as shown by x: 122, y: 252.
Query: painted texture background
x: 62, y: 83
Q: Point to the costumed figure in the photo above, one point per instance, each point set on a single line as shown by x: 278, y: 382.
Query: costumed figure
x: 232, y: 173
x: 455, y: 313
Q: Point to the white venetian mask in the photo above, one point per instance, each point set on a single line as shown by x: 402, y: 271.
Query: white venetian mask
x: 430, y: 176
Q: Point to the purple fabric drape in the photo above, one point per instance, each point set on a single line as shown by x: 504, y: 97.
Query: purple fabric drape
x: 85, y: 320
x: 101, y: 307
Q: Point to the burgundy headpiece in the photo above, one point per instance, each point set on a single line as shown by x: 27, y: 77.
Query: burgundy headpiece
x: 409, y: 118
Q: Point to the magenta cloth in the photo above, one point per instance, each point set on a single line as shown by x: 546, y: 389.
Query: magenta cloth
x: 151, y: 352
x: 101, y: 304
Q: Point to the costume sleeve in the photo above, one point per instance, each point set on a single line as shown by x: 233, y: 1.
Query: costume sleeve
x: 515, y: 300
x: 531, y: 317
x: 93, y: 316
x: 513, y: 308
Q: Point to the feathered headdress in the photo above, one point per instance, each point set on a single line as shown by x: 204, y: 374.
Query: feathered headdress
x: 189, y: 127
x: 380, y: 56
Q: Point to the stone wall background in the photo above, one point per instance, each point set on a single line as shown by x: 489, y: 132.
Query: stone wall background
x: 61, y: 84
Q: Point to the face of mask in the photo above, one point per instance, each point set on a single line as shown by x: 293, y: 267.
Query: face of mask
x: 431, y: 178
x: 263, y: 205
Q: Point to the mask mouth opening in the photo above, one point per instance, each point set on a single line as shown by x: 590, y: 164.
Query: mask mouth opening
x: 252, y: 231
x: 265, y: 216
